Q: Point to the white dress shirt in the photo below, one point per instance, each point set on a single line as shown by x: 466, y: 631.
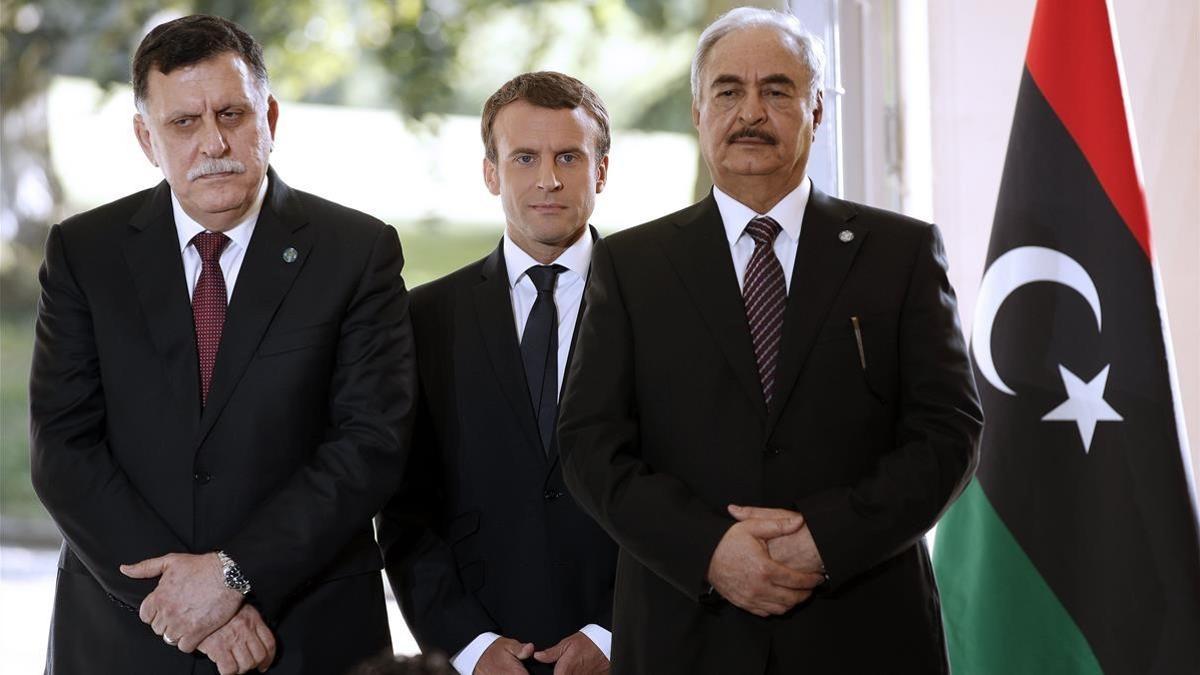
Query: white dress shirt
x: 789, y: 213
x: 235, y: 251
x: 568, y: 295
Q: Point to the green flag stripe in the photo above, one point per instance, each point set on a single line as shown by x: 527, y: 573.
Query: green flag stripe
x: 1001, y: 617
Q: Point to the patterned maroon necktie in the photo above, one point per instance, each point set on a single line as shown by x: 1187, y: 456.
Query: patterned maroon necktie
x: 208, y: 304
x: 765, y: 295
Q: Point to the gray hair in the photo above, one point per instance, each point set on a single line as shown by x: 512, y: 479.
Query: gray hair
x: 808, y: 46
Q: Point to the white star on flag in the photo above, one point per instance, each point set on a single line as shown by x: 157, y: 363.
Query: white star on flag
x: 1085, y: 405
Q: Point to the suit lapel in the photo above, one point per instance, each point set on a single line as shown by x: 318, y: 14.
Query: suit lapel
x: 156, y: 267
x: 497, y: 327
x: 700, y: 256
x: 822, y: 262
x: 262, y: 283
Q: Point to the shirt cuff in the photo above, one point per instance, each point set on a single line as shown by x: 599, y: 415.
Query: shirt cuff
x: 464, y: 661
x: 600, y: 636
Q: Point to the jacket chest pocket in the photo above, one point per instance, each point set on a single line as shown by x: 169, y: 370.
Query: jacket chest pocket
x: 282, y: 342
x: 850, y: 374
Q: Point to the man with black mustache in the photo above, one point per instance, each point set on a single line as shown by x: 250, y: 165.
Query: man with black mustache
x: 771, y: 400
x: 221, y: 393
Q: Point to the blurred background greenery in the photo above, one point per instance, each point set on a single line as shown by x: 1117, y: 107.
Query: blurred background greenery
x: 427, y: 64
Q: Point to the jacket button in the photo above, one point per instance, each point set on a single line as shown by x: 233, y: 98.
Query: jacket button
x: 551, y: 495
x: 201, y: 477
x: 774, y: 450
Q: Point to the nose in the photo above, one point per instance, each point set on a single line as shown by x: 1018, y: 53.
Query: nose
x: 751, y: 110
x: 548, y: 178
x: 212, y: 140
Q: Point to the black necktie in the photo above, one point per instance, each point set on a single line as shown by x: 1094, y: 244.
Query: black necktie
x: 539, y: 350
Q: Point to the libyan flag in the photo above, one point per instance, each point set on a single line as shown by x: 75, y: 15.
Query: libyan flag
x: 1075, y: 548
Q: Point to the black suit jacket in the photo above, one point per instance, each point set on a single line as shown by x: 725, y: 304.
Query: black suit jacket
x: 304, y: 436
x: 483, y: 536
x: 664, y: 424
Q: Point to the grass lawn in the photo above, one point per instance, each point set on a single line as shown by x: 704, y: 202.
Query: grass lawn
x: 428, y: 254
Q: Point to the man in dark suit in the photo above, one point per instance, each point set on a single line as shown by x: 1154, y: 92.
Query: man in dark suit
x: 492, y: 562
x: 771, y: 401
x: 221, y: 394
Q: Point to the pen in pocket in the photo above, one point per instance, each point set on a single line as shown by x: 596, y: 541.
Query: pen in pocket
x: 862, y: 355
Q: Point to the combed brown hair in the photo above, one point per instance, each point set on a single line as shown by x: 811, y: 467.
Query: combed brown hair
x: 190, y: 40
x: 546, y: 89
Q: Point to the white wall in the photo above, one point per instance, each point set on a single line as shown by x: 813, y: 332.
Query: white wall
x: 977, y: 50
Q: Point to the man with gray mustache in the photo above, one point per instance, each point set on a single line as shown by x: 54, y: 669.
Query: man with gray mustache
x: 221, y: 393
x: 771, y: 401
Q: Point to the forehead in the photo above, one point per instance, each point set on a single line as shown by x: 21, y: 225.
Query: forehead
x: 522, y: 124
x: 224, y: 76
x: 753, y: 52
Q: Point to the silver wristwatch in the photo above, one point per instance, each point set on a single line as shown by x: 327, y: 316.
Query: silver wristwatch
x: 234, y: 579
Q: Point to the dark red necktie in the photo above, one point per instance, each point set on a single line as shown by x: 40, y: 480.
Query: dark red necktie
x: 208, y: 304
x: 765, y: 296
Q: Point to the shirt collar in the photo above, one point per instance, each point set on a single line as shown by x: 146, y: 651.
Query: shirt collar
x: 789, y: 212
x: 577, y: 258
x: 239, y: 235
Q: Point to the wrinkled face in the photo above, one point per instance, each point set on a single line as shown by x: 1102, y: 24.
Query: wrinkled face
x: 209, y: 127
x: 546, y: 173
x: 754, y: 110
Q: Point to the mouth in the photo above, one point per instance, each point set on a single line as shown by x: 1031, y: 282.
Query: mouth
x: 217, y: 176
x: 548, y: 207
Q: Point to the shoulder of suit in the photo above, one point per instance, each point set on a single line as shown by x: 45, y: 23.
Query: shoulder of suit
x: 106, y: 218
x: 324, y: 212
x: 438, y: 291
x: 639, y: 235
x: 882, y: 220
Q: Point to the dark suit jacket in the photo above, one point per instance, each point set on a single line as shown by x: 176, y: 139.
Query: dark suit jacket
x: 304, y: 436
x: 483, y: 536
x: 664, y: 424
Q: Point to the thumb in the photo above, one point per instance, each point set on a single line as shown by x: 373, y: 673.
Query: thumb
x: 550, y: 655
x: 771, y: 528
x: 522, y: 650
x: 146, y: 569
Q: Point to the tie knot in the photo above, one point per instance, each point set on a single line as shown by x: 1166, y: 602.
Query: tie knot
x: 763, y: 230
x: 209, y: 245
x: 544, y: 276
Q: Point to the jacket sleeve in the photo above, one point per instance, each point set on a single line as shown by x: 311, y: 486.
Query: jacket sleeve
x: 105, y: 521
x: 937, y: 432
x: 652, y: 515
x: 350, y: 475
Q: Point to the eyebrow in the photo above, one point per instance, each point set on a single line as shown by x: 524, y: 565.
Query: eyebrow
x: 775, y: 78
x: 530, y: 151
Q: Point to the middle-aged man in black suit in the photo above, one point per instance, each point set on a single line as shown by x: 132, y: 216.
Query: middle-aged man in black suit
x: 502, y: 567
x: 221, y: 394
x: 771, y: 401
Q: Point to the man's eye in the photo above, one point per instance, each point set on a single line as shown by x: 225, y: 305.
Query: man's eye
x: 523, y: 159
x: 568, y: 158
x: 725, y: 93
x: 231, y: 114
x: 183, y: 122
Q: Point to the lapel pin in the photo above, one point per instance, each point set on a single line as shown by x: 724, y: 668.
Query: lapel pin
x: 289, y: 255
x: 846, y: 236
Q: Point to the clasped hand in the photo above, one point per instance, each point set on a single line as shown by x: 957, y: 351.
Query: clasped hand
x: 193, y: 609
x: 767, y: 562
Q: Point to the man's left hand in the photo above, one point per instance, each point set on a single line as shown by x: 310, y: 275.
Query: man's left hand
x: 575, y: 654
x: 797, y: 550
x: 191, y: 601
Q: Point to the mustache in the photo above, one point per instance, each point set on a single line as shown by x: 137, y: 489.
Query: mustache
x: 749, y: 132
x: 210, y: 165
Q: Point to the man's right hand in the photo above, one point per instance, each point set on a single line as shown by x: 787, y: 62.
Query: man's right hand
x: 243, y: 644
x: 503, y: 657
x: 742, y: 570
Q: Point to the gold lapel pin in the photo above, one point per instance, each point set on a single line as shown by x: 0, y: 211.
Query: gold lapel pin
x: 289, y: 255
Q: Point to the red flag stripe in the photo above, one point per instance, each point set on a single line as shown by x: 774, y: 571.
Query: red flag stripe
x: 1072, y: 58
